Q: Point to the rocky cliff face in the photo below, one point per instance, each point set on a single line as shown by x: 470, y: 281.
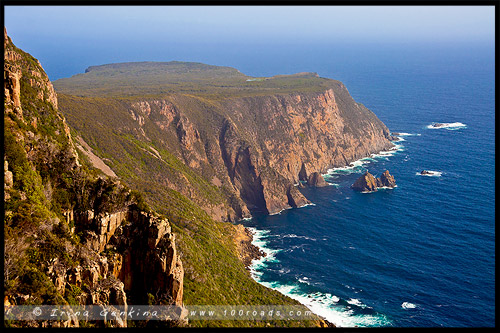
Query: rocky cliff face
x: 18, y: 65
x: 71, y: 237
x: 262, y: 145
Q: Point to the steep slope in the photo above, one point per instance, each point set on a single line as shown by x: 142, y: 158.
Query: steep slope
x: 74, y: 236
x: 65, y: 225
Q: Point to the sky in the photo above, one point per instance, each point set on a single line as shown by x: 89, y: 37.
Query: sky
x: 90, y: 35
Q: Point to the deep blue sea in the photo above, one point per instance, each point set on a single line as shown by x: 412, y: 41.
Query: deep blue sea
x: 419, y: 255
x: 422, y: 254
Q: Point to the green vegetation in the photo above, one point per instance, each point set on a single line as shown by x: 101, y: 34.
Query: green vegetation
x: 48, y: 180
x: 132, y: 156
x: 152, y: 79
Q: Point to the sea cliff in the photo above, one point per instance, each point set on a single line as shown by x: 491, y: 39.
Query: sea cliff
x: 251, y: 145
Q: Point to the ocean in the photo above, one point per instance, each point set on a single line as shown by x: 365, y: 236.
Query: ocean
x: 421, y: 254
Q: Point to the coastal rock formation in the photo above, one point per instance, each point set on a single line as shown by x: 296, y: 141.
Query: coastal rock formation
x: 247, y: 252
x: 315, y: 179
x: 145, y: 256
x: 251, y: 145
x: 368, y: 183
x: 365, y: 183
x: 386, y: 179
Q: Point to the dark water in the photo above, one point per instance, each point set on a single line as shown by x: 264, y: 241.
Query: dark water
x: 422, y: 254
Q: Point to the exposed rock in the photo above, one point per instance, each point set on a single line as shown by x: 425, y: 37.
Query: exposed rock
x: 295, y: 198
x: 256, y: 146
x: 148, y: 260
x: 368, y: 183
x: 8, y: 180
x: 365, y: 183
x: 315, y: 179
x: 247, y: 252
x: 94, y: 159
x: 386, y: 179
x: 303, y: 173
x: 12, y: 90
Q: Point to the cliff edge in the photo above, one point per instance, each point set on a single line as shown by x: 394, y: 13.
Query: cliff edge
x: 245, y: 140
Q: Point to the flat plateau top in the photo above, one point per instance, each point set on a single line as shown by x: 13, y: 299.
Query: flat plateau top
x: 160, y: 78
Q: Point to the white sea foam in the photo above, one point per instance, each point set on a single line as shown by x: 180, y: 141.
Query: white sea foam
x: 279, y: 213
x: 305, y: 280
x: 387, y: 187
x: 359, y: 165
x: 322, y: 304
x: 406, y: 134
x: 430, y: 173
x: 353, y: 167
x: 296, y: 236
x: 357, y: 302
x: 448, y: 126
x: 259, y: 240
x: 326, y: 305
x: 408, y: 305
x: 307, y: 204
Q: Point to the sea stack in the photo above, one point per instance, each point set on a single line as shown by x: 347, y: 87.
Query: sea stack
x: 368, y: 183
x: 365, y: 183
x: 316, y: 179
x: 386, y: 179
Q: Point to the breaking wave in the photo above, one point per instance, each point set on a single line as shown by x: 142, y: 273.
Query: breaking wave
x: 342, y: 313
x: 430, y: 173
x: 448, y: 126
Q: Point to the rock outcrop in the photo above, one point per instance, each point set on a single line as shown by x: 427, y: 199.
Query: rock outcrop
x: 315, y: 179
x: 365, y: 183
x: 386, y: 180
x: 247, y: 252
x: 368, y: 183
x: 144, y: 257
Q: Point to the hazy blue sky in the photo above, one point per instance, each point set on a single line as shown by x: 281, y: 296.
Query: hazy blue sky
x: 123, y: 33
x: 221, y: 22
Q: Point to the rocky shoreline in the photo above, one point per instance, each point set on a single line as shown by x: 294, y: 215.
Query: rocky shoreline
x: 247, y: 252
